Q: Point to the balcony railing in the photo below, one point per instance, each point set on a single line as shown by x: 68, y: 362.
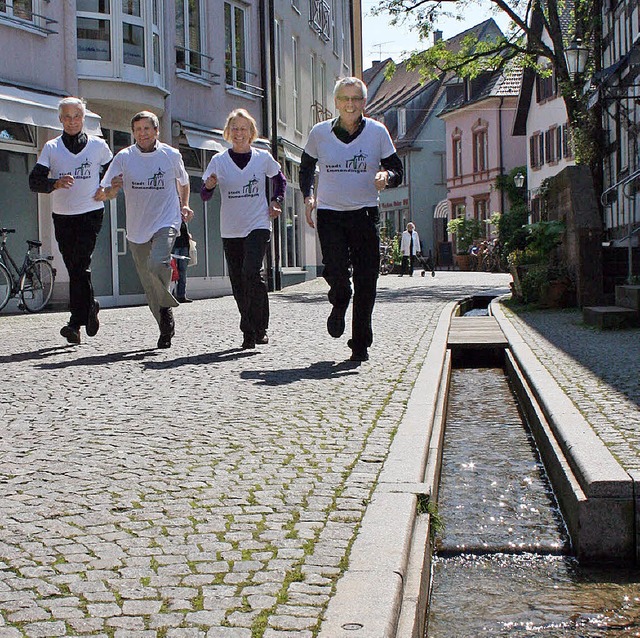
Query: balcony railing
x: 320, y: 18
x: 28, y: 19
x: 319, y: 113
x: 191, y: 61
x: 237, y: 78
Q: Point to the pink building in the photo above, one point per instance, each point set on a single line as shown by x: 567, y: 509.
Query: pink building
x: 480, y: 145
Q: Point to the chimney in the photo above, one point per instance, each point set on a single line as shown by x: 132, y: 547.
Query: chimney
x: 437, y: 36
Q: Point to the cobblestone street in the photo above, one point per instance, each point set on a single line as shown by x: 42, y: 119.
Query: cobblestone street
x: 202, y: 490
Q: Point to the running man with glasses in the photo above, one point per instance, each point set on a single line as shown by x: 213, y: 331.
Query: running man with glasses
x: 357, y: 159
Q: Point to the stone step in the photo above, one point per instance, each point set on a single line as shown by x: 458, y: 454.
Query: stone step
x: 628, y: 296
x: 610, y: 317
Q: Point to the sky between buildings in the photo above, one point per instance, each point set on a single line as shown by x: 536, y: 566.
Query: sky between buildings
x: 380, y: 40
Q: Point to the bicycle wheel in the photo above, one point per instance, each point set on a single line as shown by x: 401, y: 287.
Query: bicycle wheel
x: 6, y: 284
x: 36, y: 285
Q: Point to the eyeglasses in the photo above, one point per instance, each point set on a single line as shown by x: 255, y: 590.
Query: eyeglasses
x: 345, y: 98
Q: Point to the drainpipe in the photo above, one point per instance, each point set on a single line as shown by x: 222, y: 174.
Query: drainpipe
x: 501, y: 150
x: 273, y: 90
x: 270, y: 119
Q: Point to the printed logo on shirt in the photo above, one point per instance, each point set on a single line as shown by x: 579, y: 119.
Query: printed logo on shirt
x: 83, y: 171
x: 357, y: 164
x: 155, y: 182
x: 250, y: 189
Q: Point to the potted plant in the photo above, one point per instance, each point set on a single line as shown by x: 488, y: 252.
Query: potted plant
x: 465, y: 231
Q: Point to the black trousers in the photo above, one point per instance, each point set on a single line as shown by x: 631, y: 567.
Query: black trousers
x: 244, y: 259
x: 351, y: 239
x: 407, y: 264
x: 76, y: 236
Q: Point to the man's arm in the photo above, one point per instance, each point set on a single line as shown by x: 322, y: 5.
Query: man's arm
x: 184, y: 191
x: 306, y: 178
x: 39, y: 180
x: 393, y: 166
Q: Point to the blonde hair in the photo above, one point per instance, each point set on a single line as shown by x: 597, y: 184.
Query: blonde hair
x: 243, y: 113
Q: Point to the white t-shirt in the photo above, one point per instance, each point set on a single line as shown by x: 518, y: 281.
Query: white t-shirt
x: 150, y: 189
x: 83, y: 167
x: 244, y: 197
x: 347, y: 171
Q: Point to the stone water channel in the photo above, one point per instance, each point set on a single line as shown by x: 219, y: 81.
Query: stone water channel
x: 502, y: 565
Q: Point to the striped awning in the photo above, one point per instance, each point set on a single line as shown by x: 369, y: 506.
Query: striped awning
x: 442, y: 210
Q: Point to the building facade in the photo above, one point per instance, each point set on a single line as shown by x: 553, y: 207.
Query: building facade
x: 191, y: 63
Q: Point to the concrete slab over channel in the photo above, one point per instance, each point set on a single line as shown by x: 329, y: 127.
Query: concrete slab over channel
x: 369, y: 597
x: 595, y: 493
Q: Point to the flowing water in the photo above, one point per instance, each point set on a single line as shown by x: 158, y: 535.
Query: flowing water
x: 502, y: 566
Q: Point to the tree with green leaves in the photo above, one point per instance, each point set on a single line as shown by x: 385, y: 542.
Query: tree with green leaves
x: 565, y: 21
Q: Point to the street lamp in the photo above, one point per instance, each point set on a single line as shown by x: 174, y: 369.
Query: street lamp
x: 576, y: 56
x: 518, y: 180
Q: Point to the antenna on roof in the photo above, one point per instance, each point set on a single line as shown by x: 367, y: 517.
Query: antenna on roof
x: 380, y: 45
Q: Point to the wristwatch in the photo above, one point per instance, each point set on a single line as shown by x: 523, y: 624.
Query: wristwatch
x: 278, y: 199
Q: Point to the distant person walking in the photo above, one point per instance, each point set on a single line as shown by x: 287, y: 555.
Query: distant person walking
x: 357, y: 159
x: 181, y: 249
x: 409, y: 247
x: 245, y: 218
x: 156, y: 188
x: 69, y: 168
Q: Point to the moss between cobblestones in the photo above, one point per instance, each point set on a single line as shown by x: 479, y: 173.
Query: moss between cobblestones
x: 198, y: 601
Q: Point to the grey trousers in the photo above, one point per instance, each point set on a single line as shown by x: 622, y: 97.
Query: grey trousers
x: 153, y: 263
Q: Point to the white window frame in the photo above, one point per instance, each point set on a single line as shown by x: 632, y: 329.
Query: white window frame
x: 297, y: 107
x: 35, y: 22
x: 190, y: 56
x: 150, y: 21
x: 239, y: 78
x: 402, y: 121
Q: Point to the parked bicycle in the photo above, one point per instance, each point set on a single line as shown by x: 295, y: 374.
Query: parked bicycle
x: 386, y: 259
x: 33, y: 281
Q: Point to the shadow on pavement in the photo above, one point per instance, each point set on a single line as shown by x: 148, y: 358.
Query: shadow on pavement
x: 96, y: 360
x: 318, y: 370
x: 202, y: 359
x: 34, y: 354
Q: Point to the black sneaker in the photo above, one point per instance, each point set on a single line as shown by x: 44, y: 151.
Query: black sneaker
x: 249, y: 342
x: 184, y: 300
x: 164, y: 342
x: 262, y: 338
x: 93, y: 323
x: 358, y: 353
x: 335, y: 322
x: 71, y: 333
x: 167, y: 324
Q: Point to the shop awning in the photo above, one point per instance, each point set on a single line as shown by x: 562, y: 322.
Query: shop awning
x: 38, y: 109
x: 208, y: 140
x: 442, y: 210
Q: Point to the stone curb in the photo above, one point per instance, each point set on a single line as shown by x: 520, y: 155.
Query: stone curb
x: 597, y: 495
x: 369, y: 597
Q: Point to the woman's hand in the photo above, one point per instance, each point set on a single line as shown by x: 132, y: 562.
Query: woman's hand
x: 309, y: 205
x: 211, y: 182
x: 275, y: 210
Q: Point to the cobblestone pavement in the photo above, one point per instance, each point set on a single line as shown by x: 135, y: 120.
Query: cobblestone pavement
x: 598, y: 370
x: 201, y: 491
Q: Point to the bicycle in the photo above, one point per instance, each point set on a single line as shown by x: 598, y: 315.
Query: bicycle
x: 33, y: 281
x: 386, y: 259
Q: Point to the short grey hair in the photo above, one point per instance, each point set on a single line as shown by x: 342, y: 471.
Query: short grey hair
x: 146, y: 115
x: 350, y: 81
x: 72, y: 101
